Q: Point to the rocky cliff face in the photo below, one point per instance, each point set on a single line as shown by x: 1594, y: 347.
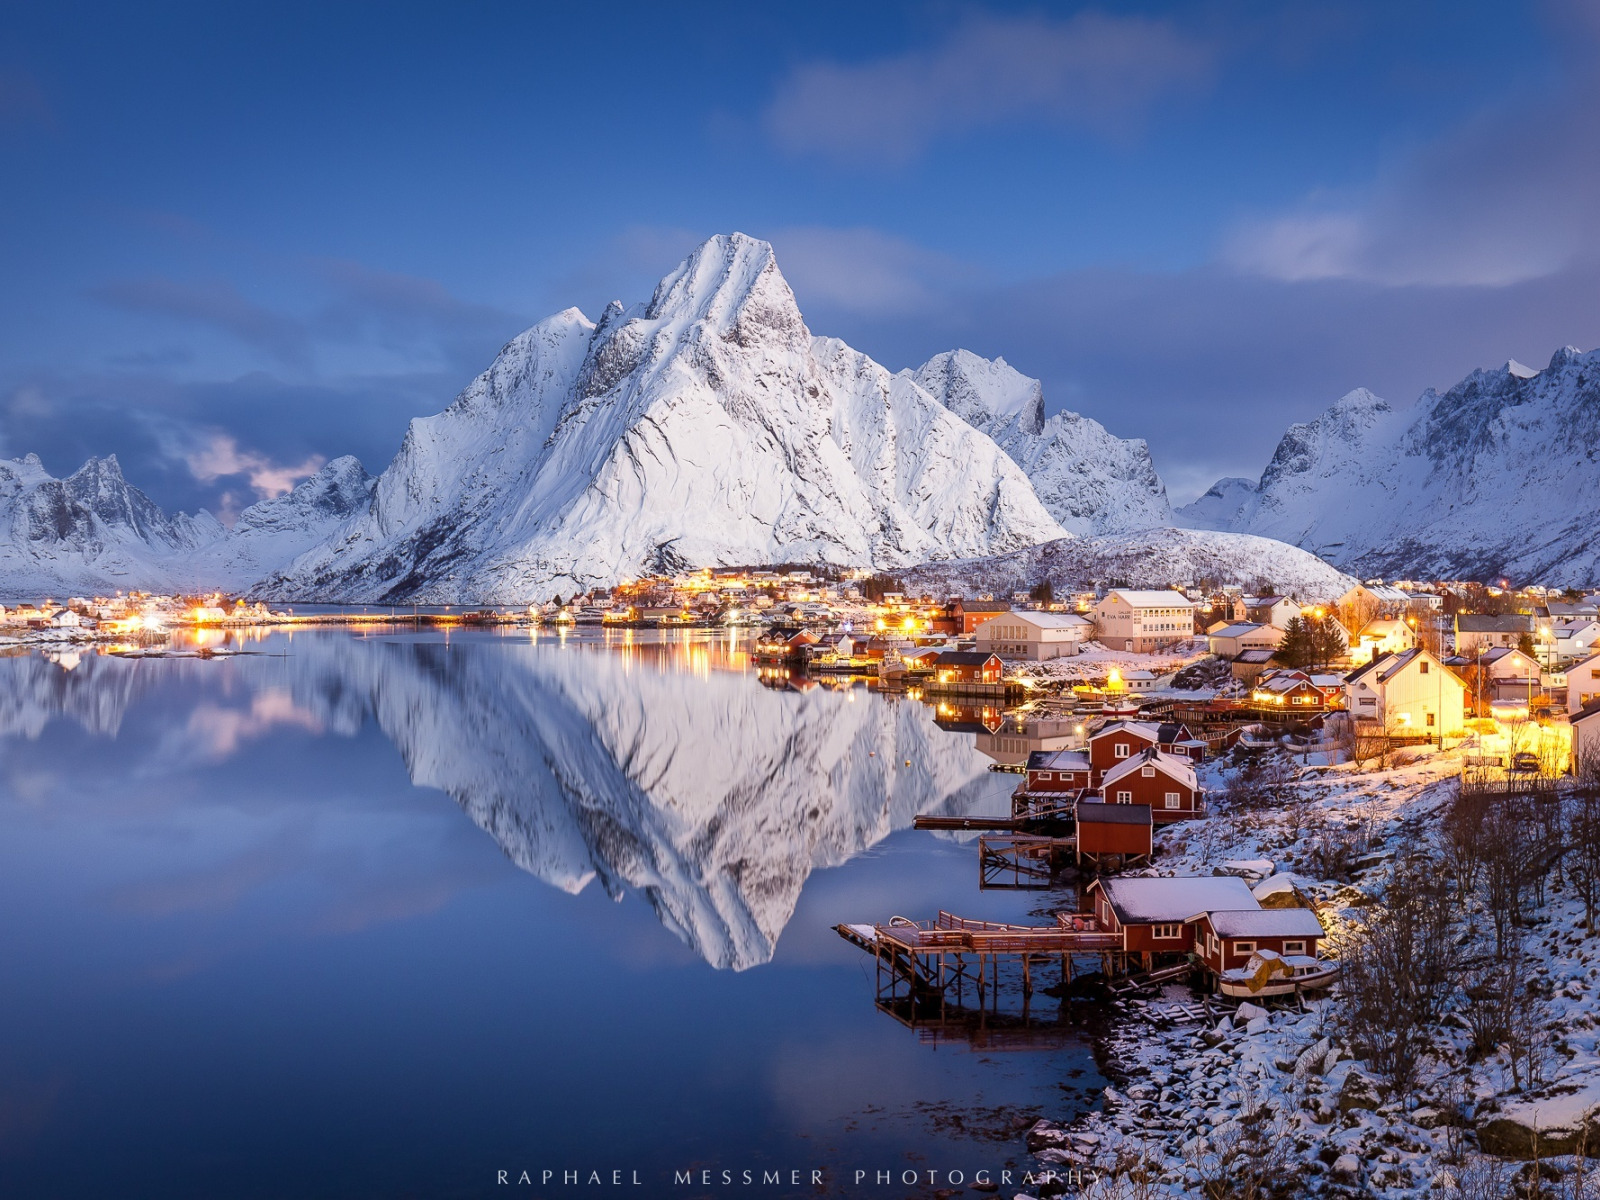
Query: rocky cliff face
x: 1495, y: 477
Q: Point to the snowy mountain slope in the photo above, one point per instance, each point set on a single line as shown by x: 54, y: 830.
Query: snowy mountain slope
x: 1091, y: 481
x: 272, y: 532
x: 707, y: 427
x: 94, y: 532
x: 1146, y: 558
x: 1495, y: 477
x: 91, y: 531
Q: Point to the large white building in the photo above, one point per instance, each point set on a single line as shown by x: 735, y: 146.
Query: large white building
x: 1037, y: 636
x: 1408, y: 694
x: 1143, y: 621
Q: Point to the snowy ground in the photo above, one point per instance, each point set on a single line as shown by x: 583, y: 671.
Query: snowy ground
x: 1094, y: 661
x: 1272, y: 1103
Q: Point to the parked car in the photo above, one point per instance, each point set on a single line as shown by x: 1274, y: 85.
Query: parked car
x: 1525, y: 760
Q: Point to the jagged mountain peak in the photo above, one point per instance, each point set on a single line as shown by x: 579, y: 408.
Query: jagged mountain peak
x: 1090, y: 480
x: 982, y: 391
x: 1460, y: 485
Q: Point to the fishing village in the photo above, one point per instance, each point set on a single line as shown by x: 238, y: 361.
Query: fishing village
x: 1248, y: 821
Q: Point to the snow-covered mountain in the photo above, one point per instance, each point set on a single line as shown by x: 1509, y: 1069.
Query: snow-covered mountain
x: 95, y: 532
x: 706, y: 427
x: 1091, y: 481
x: 1495, y: 477
x: 1150, y: 558
x: 90, y: 531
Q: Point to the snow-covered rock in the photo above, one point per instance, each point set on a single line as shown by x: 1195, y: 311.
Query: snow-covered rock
x: 707, y: 427
x: 90, y: 531
x: 1495, y: 477
x: 1148, y: 558
x: 1091, y: 481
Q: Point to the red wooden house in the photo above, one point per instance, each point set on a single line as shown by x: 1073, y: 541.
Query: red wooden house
x: 1157, y: 916
x: 1173, y: 737
x: 1057, y: 771
x: 1226, y: 938
x: 1163, y: 781
x: 968, y: 666
x: 969, y: 614
x: 1120, y: 831
x: 1118, y: 742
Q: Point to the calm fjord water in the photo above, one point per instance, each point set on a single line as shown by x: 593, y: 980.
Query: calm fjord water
x: 383, y: 916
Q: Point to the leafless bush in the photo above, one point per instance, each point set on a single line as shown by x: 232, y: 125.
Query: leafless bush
x: 1461, y: 841
x: 1491, y: 995
x: 1397, y: 971
x: 1583, y: 862
x: 1261, y: 782
x: 1246, y: 1159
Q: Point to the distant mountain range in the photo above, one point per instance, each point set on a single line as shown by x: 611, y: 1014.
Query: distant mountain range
x: 1495, y: 477
x: 709, y: 427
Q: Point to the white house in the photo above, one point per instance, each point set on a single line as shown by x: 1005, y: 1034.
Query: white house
x: 1229, y: 641
x: 1583, y: 682
x: 1386, y: 635
x: 1586, y: 739
x: 1573, y: 641
x: 1036, y: 636
x: 1408, y: 694
x: 1476, y: 633
x: 1271, y: 610
x: 1143, y: 621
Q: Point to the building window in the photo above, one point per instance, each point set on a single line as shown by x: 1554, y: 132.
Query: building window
x: 1294, y: 947
x: 1211, y: 942
x: 1166, y: 932
x: 1147, y: 772
x: 1244, y: 947
x: 1124, y: 797
x: 1120, y: 750
x: 1046, y: 776
x: 1422, y: 667
x: 1172, y: 799
x: 1430, y: 720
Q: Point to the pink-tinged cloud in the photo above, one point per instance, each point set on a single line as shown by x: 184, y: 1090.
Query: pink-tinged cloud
x: 220, y: 457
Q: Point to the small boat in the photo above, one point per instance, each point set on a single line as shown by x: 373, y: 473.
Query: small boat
x: 1271, y: 974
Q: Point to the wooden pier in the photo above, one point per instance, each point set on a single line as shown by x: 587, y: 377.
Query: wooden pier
x: 920, y: 964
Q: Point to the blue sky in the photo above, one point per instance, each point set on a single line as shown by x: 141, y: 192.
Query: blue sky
x: 239, y: 239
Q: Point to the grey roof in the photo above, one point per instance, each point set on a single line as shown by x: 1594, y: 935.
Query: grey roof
x: 1265, y: 922
x: 1092, y: 812
x: 1259, y: 655
x: 1057, y: 760
x: 1509, y: 623
x: 979, y: 606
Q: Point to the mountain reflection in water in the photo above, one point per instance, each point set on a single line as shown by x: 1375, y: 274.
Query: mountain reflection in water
x: 649, y: 763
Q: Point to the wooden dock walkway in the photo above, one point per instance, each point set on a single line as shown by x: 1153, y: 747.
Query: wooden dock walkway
x: 920, y: 963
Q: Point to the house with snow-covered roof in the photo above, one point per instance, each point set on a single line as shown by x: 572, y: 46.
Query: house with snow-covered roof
x: 1143, y: 621
x: 1409, y: 695
x: 1231, y: 640
x: 1035, y: 636
x: 1165, y: 782
x: 1225, y: 939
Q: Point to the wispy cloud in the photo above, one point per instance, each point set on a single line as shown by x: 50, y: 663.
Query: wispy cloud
x: 1091, y: 71
x: 867, y: 270
x: 216, y: 304
x: 1506, y: 196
